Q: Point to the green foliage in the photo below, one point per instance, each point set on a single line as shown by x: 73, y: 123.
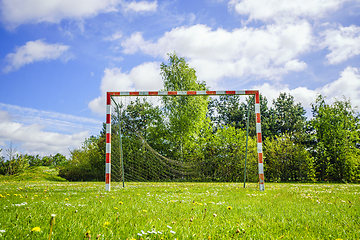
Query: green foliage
x: 186, y: 115
x: 225, y: 156
x: 86, y: 163
x: 286, y: 160
x: 336, y: 134
x: 15, y: 165
x: 289, y: 117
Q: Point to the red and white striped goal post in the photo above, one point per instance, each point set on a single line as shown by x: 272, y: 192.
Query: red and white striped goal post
x: 182, y: 93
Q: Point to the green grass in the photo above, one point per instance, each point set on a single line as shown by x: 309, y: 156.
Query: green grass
x: 40, y: 173
x: 179, y: 211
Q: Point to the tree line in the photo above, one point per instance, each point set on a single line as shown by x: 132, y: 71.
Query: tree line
x: 199, y: 138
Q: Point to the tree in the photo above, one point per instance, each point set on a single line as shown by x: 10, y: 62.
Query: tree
x: 289, y: 117
x: 336, y: 129
x: 230, y: 111
x: 186, y: 114
x: 286, y: 160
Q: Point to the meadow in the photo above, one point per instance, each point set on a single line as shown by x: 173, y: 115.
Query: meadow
x: 83, y: 210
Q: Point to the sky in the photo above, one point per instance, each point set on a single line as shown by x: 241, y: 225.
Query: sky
x: 58, y: 58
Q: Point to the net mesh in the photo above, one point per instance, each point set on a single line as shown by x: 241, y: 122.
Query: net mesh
x: 161, y: 139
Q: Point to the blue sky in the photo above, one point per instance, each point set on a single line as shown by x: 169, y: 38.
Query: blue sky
x: 59, y: 57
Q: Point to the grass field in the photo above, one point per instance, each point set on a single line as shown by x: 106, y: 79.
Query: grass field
x: 178, y: 211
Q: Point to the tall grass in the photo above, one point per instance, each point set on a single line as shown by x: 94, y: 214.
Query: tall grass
x: 179, y: 211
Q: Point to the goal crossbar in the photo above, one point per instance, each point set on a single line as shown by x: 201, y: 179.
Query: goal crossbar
x: 256, y: 93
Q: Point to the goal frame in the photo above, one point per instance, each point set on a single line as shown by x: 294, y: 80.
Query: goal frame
x: 255, y: 93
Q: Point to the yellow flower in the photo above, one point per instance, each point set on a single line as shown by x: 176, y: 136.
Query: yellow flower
x: 121, y: 203
x: 229, y: 207
x: 144, y: 210
x: 66, y: 199
x: 36, y: 229
x: 106, y: 224
x: 115, y: 208
x: 113, y: 197
x: 209, y: 237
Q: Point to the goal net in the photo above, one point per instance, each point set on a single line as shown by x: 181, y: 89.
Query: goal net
x: 176, y: 136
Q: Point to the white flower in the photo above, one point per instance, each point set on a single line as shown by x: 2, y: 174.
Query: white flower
x: 169, y: 227
x: 139, y: 234
x: 2, y: 231
x: 53, y: 215
x: 172, y: 232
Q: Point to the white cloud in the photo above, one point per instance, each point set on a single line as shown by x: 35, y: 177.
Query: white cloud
x: 35, y: 51
x: 34, y: 140
x: 267, y: 52
x: 142, y: 6
x: 284, y: 10
x: 348, y: 85
x: 17, y: 12
x: 114, y: 37
x: 143, y: 77
x: 343, y: 43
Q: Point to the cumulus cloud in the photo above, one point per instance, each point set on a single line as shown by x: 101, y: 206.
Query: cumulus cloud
x: 143, y: 77
x: 142, y: 6
x: 17, y: 12
x: 267, y: 52
x: 34, y: 139
x: 347, y: 85
x: 343, y: 43
x: 284, y: 10
x: 35, y: 51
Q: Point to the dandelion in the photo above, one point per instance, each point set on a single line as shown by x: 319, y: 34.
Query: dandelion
x: 229, y: 207
x: 36, y: 229
x: 66, y: 199
x: 87, y: 234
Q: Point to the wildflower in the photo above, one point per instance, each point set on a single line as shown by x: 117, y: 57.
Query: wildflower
x: 169, y: 226
x: 36, y: 229
x: 1, y: 196
x: 209, y: 237
x: 145, y: 211
x: 115, y: 208
x: 229, y: 207
x: 121, y: 203
x: 87, y: 234
x: 113, y: 197
x: 106, y: 224
x: 66, y: 199
x: 172, y: 232
x: 214, y: 215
